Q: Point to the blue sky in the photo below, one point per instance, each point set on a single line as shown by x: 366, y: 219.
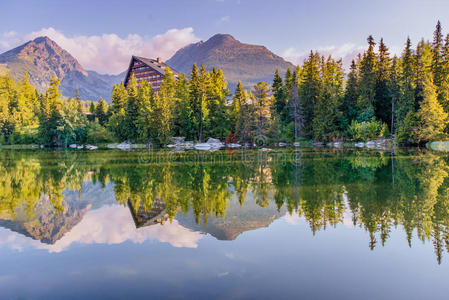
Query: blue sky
x: 289, y: 28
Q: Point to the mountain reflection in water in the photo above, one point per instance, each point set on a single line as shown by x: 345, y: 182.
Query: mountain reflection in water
x: 54, y: 199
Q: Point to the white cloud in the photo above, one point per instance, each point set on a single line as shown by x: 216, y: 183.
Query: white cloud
x: 110, y: 224
x: 292, y: 219
x: 8, y: 40
x: 347, y: 52
x: 109, y: 53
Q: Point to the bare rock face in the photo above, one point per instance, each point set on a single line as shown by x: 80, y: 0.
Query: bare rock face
x: 239, y: 61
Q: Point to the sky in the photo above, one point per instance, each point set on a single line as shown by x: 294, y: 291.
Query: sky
x: 103, y: 35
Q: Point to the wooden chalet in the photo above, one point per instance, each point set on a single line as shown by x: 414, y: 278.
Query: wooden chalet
x: 143, y: 217
x: 146, y: 69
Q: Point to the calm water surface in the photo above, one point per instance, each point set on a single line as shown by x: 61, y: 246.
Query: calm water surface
x: 279, y: 224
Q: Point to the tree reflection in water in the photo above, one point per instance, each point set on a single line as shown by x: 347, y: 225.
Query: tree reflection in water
x: 380, y: 190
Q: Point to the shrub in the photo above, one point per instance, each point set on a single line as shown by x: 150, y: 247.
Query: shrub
x: 367, y: 130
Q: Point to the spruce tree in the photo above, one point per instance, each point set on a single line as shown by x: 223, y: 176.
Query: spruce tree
x: 383, y: 85
x: 296, y: 112
x: 184, y: 125
x: 262, y: 105
x: 327, y: 115
x: 423, y: 65
x: 145, y: 122
x: 101, y: 112
x: 351, y: 98
x: 278, y: 93
x: 195, y: 99
x: 437, y: 47
x: 367, y: 86
x: 117, y: 119
x: 309, y: 90
x: 131, y: 111
x: 431, y: 117
x: 239, y: 109
x: 164, y: 106
x: 443, y: 89
x: 395, y: 89
x: 406, y: 101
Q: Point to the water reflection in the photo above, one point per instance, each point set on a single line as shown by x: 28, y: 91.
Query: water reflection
x: 61, y: 198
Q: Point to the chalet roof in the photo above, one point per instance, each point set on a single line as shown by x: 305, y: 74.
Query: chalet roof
x: 152, y: 63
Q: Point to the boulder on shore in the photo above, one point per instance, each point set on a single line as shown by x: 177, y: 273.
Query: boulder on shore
x: 177, y: 140
x: 438, y: 146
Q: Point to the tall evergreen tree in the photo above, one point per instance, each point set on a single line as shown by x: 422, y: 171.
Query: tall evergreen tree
x: 431, y: 117
x: 101, y: 111
x: 327, y: 114
x: 406, y: 101
x: 383, y: 85
x: 262, y: 105
x: 367, y: 85
x: 132, y: 111
x: 296, y: 112
x: 278, y: 93
x: 437, y: 47
x: 351, y: 98
x: 395, y: 89
x: 309, y: 90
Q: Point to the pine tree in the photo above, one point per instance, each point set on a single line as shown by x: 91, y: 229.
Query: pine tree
x: 423, y: 65
x: 437, y: 47
x: 51, y: 121
x: 351, y: 98
x: 406, y: 101
x: 218, y: 124
x: 184, y: 125
x: 395, y: 89
x: 239, y: 112
x: 443, y: 89
x: 195, y: 99
x: 92, y: 107
x: 327, y: 114
x: 132, y: 111
x: 309, y: 90
x: 164, y: 106
x: 145, y: 125
x: 278, y: 93
x: 262, y: 105
x: 101, y: 112
x: 431, y: 117
x: 117, y: 119
x: 296, y: 112
x: 383, y: 85
x: 367, y: 86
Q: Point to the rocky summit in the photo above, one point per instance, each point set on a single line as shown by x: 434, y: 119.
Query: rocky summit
x: 239, y: 61
x: 43, y: 58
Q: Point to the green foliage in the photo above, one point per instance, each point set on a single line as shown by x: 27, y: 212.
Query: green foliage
x: 366, y: 131
x: 404, y: 97
x: 96, y: 134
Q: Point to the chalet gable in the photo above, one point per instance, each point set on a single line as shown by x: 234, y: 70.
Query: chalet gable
x: 146, y: 69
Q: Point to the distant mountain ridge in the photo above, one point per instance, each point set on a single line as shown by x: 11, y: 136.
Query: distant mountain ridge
x: 42, y: 58
x: 239, y: 61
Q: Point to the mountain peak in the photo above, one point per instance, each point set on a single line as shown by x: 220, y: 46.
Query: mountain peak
x: 239, y: 61
x: 42, y: 58
x: 222, y: 37
x: 43, y: 39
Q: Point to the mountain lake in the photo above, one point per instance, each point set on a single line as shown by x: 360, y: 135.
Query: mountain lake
x: 298, y: 223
